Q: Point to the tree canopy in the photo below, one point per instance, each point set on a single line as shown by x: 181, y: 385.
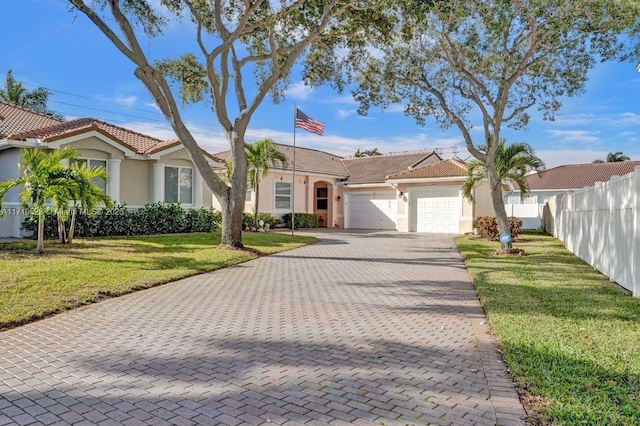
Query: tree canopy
x: 244, y: 52
x: 488, y: 63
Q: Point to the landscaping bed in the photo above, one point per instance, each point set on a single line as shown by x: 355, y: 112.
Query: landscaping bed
x: 570, y: 337
x: 67, y: 276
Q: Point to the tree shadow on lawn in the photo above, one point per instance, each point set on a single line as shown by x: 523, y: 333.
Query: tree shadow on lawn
x: 565, y: 387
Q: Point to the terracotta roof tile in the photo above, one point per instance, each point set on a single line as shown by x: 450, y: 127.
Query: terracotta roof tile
x: 576, y: 176
x: 441, y: 169
x: 15, y: 119
x: 308, y: 160
x: 375, y: 169
x: 135, y: 141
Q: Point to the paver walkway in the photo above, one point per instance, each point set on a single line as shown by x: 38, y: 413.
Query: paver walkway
x: 363, y: 328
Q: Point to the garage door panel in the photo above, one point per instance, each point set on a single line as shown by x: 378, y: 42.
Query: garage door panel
x: 371, y: 211
x: 437, y: 211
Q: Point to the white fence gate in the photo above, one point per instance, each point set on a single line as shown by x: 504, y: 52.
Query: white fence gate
x: 601, y: 225
x: 530, y: 214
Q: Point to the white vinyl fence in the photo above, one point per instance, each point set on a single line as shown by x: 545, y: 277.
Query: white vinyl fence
x: 601, y: 225
x: 529, y: 214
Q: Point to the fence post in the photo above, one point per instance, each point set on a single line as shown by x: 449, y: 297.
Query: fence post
x: 635, y: 245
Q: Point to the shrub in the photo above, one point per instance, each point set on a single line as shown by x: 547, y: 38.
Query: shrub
x: 303, y: 220
x: 156, y: 218
x: 247, y: 219
x: 488, y: 227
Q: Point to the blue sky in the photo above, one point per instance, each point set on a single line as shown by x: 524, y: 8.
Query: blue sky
x: 48, y: 46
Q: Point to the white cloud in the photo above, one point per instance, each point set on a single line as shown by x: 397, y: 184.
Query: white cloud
x: 583, y: 136
x: 344, y: 113
x: 344, y: 99
x: 299, y: 91
x: 127, y: 101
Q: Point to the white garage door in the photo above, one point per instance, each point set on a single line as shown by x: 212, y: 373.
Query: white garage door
x: 371, y: 211
x: 438, y: 211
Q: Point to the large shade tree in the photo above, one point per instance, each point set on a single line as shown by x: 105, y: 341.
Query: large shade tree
x: 490, y: 62
x: 245, y: 50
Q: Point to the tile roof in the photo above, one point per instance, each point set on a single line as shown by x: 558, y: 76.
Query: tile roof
x: 137, y: 142
x: 308, y: 160
x: 576, y: 176
x: 375, y: 169
x: 15, y: 119
x: 441, y: 169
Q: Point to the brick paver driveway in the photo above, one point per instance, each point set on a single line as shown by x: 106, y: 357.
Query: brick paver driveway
x: 363, y: 328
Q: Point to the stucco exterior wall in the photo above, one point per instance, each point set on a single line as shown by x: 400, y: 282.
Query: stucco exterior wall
x: 483, y: 203
x: 135, y: 178
x: 94, y: 147
x: 9, y: 161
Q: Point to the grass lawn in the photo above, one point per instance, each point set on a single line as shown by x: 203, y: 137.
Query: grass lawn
x: 67, y: 276
x: 570, y: 337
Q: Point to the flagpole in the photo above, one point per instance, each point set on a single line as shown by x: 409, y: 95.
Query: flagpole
x: 293, y: 186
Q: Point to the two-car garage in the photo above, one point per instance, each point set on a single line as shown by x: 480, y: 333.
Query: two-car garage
x: 430, y: 209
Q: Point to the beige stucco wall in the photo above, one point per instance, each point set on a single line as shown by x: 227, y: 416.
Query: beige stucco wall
x: 482, y: 198
x: 135, y: 178
x: 304, y: 196
x: 94, y: 147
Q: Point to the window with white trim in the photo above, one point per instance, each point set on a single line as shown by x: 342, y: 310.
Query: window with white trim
x: 247, y: 196
x: 178, y: 185
x: 322, y: 200
x: 283, y: 196
x: 94, y: 162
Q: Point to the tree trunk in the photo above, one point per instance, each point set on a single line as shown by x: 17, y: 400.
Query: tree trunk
x: 60, y: 229
x: 72, y: 226
x: 40, y: 244
x: 256, y: 205
x: 232, y: 222
x: 498, y: 202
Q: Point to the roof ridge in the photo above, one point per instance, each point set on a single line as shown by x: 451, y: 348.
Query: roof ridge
x: 427, y: 152
x: 32, y: 111
x: 309, y: 149
x: 95, y: 120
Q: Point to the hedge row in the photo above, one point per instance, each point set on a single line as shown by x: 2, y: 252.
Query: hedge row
x: 303, y: 220
x: 157, y: 218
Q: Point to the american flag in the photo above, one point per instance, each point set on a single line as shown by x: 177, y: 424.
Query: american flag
x: 307, y: 123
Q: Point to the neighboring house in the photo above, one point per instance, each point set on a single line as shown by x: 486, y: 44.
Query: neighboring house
x: 140, y: 169
x: 409, y: 192
x: 568, y: 178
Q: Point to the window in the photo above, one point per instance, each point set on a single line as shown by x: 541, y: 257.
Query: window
x: 178, y: 185
x: 91, y: 162
x: 321, y: 199
x: 283, y: 195
x: 247, y: 196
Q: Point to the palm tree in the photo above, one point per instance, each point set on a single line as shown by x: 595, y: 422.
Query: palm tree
x: 82, y: 193
x: 16, y: 94
x: 512, y: 163
x: 87, y: 195
x: 261, y: 156
x: 616, y: 157
x: 41, y: 175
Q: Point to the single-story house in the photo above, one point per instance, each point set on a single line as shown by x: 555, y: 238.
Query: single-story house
x: 407, y: 192
x: 141, y: 169
x: 570, y: 177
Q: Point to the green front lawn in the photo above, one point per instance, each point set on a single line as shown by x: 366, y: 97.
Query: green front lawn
x: 570, y: 337
x: 67, y: 276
